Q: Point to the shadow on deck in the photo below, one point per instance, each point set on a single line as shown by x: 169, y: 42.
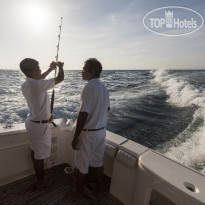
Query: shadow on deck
x: 22, y: 192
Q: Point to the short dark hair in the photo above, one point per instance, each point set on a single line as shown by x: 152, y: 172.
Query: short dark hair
x: 94, y: 64
x: 27, y: 65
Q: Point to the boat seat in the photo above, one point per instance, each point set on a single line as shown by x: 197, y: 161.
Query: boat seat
x: 110, y: 150
x: 112, y: 142
x: 124, y: 171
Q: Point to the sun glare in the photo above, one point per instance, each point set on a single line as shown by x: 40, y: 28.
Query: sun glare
x: 36, y: 16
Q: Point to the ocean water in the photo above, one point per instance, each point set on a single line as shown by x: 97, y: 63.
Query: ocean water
x: 163, y: 110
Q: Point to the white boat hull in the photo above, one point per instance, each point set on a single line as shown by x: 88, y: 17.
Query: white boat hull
x: 138, y: 175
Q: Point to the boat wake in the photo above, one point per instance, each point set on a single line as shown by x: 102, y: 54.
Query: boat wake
x: 189, y: 145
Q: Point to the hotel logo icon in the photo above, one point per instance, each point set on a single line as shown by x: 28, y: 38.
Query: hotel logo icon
x: 169, y: 21
x: 169, y: 18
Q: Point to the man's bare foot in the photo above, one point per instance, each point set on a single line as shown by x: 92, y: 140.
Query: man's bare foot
x: 98, y: 197
x: 90, y: 187
x: 75, y: 197
x: 80, y: 198
x: 45, y: 183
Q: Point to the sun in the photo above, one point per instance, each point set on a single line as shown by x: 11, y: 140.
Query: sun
x: 35, y: 16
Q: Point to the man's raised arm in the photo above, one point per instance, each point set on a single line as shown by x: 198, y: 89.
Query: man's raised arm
x: 51, y: 68
x: 60, y: 76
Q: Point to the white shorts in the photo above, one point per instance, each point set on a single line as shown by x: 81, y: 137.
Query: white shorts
x: 91, y: 150
x: 40, y: 136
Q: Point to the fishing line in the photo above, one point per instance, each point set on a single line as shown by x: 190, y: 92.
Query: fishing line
x: 53, y: 92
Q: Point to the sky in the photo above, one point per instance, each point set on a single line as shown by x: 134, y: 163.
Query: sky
x: 110, y: 30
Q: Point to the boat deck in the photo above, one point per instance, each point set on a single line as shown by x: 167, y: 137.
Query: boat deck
x: 22, y: 192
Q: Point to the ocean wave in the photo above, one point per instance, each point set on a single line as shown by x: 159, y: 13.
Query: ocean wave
x: 189, y: 145
x: 180, y: 92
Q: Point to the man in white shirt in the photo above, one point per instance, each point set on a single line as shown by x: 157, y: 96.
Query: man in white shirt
x: 89, y: 137
x: 34, y: 90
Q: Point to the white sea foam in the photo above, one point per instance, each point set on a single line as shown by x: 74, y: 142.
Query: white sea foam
x: 191, y: 152
x: 188, y: 146
x: 180, y: 92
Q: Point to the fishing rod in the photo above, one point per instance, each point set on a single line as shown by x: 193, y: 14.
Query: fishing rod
x: 53, y: 92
